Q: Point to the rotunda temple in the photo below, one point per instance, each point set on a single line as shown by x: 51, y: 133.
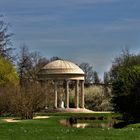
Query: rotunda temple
x: 66, y: 71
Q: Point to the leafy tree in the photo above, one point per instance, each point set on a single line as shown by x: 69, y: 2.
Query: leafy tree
x: 8, y: 73
x: 124, y: 60
x: 125, y: 74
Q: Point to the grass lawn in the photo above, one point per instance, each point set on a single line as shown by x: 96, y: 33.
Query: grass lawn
x: 50, y: 129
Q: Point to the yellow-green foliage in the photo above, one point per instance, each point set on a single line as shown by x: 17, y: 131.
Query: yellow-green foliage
x: 8, y: 73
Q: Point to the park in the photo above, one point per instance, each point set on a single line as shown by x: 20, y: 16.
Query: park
x: 25, y: 115
x: 69, y: 70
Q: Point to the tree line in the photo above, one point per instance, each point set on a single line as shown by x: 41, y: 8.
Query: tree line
x: 20, y: 93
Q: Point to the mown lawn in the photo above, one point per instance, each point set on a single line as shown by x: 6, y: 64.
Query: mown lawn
x: 50, y: 129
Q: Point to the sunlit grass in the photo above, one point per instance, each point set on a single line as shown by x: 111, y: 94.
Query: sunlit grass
x: 50, y: 129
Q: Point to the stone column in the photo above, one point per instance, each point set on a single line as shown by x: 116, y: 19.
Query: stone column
x: 82, y: 94
x: 67, y: 94
x: 77, y: 94
x: 55, y: 92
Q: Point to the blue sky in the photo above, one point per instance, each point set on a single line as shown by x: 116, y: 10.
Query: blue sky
x: 93, y: 31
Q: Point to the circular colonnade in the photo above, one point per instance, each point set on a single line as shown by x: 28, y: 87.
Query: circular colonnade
x: 66, y: 71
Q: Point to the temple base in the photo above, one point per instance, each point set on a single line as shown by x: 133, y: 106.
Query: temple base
x: 70, y: 110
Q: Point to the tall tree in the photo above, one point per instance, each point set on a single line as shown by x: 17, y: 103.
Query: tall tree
x: 96, y: 78
x: 29, y: 64
x: 125, y: 74
x: 89, y: 73
x: 5, y: 40
x: 106, y: 78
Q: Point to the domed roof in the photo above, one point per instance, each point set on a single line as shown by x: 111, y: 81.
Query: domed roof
x: 62, y: 67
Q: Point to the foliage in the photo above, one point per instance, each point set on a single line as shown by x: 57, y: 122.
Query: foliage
x: 126, y: 92
x: 98, y: 98
x: 8, y: 73
x: 125, y: 74
x: 123, y: 61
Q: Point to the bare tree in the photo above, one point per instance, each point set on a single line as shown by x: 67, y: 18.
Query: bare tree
x: 96, y: 78
x: 55, y: 58
x: 22, y: 102
x: 29, y: 64
x: 5, y: 41
x: 89, y: 73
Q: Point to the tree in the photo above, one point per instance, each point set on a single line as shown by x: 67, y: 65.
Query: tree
x: 89, y: 73
x: 126, y: 59
x: 125, y: 74
x: 96, y: 98
x: 29, y: 64
x: 55, y: 58
x: 8, y: 74
x: 5, y: 40
x: 22, y: 102
x: 27, y: 100
x: 106, y: 78
x: 96, y: 78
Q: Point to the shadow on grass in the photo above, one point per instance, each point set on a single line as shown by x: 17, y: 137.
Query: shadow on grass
x: 123, y: 124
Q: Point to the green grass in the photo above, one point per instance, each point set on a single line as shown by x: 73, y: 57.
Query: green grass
x: 50, y: 129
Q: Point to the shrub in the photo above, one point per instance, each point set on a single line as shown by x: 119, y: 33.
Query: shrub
x: 8, y: 73
x: 125, y: 75
x: 22, y: 102
x: 98, y: 98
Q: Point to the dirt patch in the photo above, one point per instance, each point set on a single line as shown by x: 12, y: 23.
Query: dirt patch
x: 14, y: 120
x: 11, y: 120
x: 41, y: 117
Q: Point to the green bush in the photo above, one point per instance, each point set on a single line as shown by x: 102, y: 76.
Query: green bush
x: 125, y: 75
x: 126, y: 89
